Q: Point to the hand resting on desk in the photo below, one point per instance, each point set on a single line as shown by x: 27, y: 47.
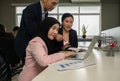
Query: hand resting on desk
x: 69, y: 53
x: 76, y: 49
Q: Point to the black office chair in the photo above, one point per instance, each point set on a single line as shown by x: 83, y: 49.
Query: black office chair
x: 7, y: 49
x: 5, y: 74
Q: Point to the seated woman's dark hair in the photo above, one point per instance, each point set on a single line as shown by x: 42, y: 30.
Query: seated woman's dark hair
x: 2, y: 28
x: 66, y: 15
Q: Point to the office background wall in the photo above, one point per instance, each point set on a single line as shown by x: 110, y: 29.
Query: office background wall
x: 110, y: 12
x: 7, y: 15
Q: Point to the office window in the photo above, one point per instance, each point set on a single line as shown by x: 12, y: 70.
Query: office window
x: 90, y: 9
x: 19, y: 10
x: 68, y: 9
x: 92, y: 21
x: 18, y: 20
x: 87, y: 15
x: 83, y: 14
x: 90, y: 16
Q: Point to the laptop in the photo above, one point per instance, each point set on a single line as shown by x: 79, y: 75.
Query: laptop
x: 85, y: 52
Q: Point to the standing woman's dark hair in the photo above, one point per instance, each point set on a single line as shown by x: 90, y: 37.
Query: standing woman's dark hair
x: 45, y: 26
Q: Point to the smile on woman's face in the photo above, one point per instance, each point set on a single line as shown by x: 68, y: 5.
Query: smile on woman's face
x: 67, y: 23
x: 53, y: 31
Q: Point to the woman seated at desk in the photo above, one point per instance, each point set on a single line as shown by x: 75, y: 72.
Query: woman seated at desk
x: 40, y: 50
x: 69, y: 35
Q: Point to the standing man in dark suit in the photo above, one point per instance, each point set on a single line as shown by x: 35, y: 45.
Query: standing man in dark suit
x: 30, y: 24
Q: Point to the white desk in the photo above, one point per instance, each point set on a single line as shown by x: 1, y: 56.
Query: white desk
x: 105, y: 69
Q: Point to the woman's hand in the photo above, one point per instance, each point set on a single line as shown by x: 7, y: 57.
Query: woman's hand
x: 67, y: 45
x: 59, y: 37
x: 69, y: 53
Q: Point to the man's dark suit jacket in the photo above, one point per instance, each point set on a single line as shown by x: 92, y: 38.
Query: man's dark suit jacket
x: 73, y: 40
x: 29, y: 27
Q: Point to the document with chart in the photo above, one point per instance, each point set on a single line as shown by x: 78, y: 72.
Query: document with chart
x: 75, y: 64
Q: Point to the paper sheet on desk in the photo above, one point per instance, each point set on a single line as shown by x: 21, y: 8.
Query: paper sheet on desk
x: 74, y: 65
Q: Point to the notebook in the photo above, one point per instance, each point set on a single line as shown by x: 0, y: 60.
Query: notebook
x: 86, y: 52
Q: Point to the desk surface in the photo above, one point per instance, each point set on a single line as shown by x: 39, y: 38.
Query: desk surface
x: 105, y: 69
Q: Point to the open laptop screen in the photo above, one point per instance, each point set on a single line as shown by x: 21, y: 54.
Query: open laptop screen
x: 86, y: 51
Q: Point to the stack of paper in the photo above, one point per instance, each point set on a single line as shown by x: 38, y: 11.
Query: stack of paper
x: 74, y: 65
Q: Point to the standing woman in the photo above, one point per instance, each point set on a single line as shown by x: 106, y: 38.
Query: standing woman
x: 40, y: 50
x: 69, y: 35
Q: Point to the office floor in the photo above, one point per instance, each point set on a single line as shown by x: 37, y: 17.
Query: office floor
x: 15, y: 78
x: 15, y: 73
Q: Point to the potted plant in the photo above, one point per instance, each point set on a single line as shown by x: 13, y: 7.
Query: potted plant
x: 84, y: 31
